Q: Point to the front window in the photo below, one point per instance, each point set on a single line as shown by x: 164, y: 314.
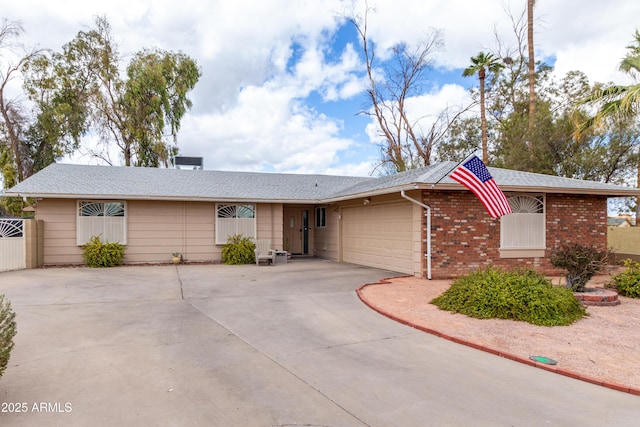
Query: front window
x: 107, y: 220
x: 321, y: 217
x: 234, y: 219
x: 524, y: 229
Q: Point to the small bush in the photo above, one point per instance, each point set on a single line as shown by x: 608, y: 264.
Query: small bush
x: 238, y: 250
x: 7, y: 332
x: 517, y: 295
x: 627, y: 283
x: 102, y: 254
x: 581, y: 262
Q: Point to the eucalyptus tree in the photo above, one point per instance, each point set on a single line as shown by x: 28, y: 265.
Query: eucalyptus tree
x: 67, y: 95
x: 140, y: 114
x: 154, y: 102
x: 42, y: 116
x: 60, y: 111
x: 480, y: 65
x: 39, y: 120
x: 14, y: 114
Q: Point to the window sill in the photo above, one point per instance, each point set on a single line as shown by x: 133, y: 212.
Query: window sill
x: 522, y: 253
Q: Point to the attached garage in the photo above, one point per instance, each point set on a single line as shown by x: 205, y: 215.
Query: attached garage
x: 379, y: 235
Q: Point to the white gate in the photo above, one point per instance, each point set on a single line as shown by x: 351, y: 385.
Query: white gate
x: 12, y: 245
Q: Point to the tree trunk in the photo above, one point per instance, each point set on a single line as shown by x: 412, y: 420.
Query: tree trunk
x: 483, y: 118
x: 13, y: 138
x: 127, y: 155
x: 531, y: 63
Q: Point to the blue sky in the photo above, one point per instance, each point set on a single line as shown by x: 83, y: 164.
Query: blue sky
x: 283, y: 81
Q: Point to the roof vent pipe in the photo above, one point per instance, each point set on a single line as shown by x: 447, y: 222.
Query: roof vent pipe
x: 428, y: 215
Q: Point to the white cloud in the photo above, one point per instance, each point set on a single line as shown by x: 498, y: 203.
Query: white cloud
x: 267, y: 127
x: 601, y: 58
x: 251, y: 112
x: 431, y: 104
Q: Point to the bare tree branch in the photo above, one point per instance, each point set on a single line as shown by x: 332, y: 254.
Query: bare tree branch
x: 11, y: 111
x: 391, y: 87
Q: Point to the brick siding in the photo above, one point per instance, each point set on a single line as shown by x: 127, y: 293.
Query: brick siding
x: 464, y: 237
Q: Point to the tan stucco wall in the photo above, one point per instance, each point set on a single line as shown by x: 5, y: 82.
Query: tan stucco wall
x: 624, y: 240
x: 59, y: 218
x: 269, y: 223
x: 155, y: 229
x: 326, y: 239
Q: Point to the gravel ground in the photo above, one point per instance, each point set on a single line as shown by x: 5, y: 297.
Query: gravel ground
x: 604, y: 345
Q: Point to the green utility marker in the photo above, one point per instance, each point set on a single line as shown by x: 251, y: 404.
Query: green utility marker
x: 543, y: 359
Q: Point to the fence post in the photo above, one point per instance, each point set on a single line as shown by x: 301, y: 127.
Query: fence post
x: 34, y: 243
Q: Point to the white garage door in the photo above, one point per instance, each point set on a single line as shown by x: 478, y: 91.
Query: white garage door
x: 379, y: 236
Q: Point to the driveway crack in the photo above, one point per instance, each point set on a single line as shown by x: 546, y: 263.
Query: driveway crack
x: 180, y: 281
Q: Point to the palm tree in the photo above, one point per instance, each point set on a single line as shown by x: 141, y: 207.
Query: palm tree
x: 480, y: 64
x: 619, y: 101
x: 616, y: 100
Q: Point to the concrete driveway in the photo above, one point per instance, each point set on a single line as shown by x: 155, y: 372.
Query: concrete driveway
x: 284, y: 345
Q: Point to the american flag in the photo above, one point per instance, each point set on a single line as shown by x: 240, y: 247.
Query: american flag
x: 474, y: 175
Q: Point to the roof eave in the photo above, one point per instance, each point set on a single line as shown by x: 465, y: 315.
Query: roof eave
x: 631, y: 192
x: 621, y: 192
x: 156, y: 197
x: 377, y: 192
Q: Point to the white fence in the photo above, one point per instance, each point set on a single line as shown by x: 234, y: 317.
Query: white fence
x: 13, y: 244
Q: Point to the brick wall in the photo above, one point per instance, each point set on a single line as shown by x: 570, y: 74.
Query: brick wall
x: 464, y: 237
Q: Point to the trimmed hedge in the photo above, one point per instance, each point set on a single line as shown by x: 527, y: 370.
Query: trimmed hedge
x: 238, y: 250
x: 517, y: 295
x: 98, y: 254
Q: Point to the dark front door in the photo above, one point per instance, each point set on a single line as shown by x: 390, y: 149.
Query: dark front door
x: 296, y: 230
x: 305, y: 231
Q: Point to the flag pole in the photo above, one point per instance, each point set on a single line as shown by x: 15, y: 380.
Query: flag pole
x: 453, y: 168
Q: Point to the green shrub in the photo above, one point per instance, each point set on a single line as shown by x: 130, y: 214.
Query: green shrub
x: 627, y: 283
x: 7, y: 332
x: 581, y: 262
x: 238, y: 250
x: 517, y: 295
x: 97, y: 253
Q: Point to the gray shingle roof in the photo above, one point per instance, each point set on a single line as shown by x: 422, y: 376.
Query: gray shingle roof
x: 617, y: 222
x: 517, y: 179
x: 65, y: 180
x: 76, y: 181
x: 508, y: 180
x: 426, y: 175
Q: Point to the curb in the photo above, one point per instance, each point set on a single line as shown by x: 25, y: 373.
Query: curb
x: 550, y: 368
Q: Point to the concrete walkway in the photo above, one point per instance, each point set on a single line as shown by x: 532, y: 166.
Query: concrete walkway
x: 284, y: 345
